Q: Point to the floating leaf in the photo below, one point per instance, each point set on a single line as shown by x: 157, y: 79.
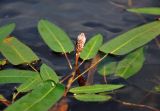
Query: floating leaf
x: 55, y: 37
x: 92, y: 97
x: 131, y: 64
x: 91, y: 48
x: 146, y: 10
x: 132, y: 39
x: 30, y: 84
x: 107, y: 69
x: 6, y: 30
x: 15, y: 76
x: 48, y: 74
x: 16, y: 52
x: 40, y: 99
x: 95, y: 88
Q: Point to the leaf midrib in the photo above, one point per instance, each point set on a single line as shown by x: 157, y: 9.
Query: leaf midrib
x: 17, y: 52
x: 54, y: 37
x: 36, y: 102
x: 29, y: 84
x: 88, y: 90
x: 90, y: 50
x: 127, y: 42
x: 123, y: 73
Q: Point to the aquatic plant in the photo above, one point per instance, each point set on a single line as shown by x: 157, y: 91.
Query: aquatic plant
x: 45, y: 88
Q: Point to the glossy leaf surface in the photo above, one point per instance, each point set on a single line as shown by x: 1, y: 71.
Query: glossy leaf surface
x: 48, y: 73
x: 132, y: 39
x: 15, y: 76
x: 95, y: 88
x: 30, y: 84
x: 92, y: 97
x: 55, y: 37
x: 131, y: 64
x: 16, y: 52
x: 40, y: 99
x: 6, y: 30
x: 91, y: 47
x: 146, y: 10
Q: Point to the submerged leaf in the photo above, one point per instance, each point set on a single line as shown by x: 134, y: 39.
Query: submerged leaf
x: 91, y: 48
x: 15, y: 76
x: 107, y: 69
x: 131, y: 64
x: 30, y: 84
x: 16, y: 52
x: 95, y: 88
x: 157, y: 88
x: 92, y: 97
x: 40, y: 99
x: 132, y: 39
x: 6, y: 30
x: 55, y: 37
x: 48, y: 74
x: 146, y: 10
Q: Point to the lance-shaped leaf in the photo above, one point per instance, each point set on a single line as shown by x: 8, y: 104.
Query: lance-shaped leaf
x: 132, y: 39
x: 95, y: 88
x: 16, y: 52
x: 146, y: 10
x: 48, y: 73
x: 15, y: 76
x: 131, y: 64
x: 40, y: 99
x: 6, y: 30
x: 30, y: 84
x: 107, y: 69
x: 92, y: 97
x: 91, y: 48
x: 55, y: 37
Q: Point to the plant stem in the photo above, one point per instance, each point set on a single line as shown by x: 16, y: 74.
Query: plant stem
x: 70, y: 81
x: 14, y: 96
x: 69, y: 63
x: 66, y: 77
x: 33, y: 68
x: 5, y: 102
x: 136, y: 105
x: 91, y: 67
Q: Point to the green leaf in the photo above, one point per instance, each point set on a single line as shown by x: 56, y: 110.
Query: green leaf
x: 16, y: 52
x: 2, y: 97
x: 131, y: 64
x: 107, y: 69
x: 157, y: 88
x: 95, y: 88
x: 30, y: 84
x: 15, y: 76
x: 132, y: 39
x: 91, y: 48
x: 6, y: 30
x: 48, y: 73
x: 92, y: 97
x: 40, y: 99
x: 54, y: 37
x: 3, y: 62
x: 146, y: 10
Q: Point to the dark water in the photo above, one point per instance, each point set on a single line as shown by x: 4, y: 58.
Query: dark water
x: 107, y: 17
